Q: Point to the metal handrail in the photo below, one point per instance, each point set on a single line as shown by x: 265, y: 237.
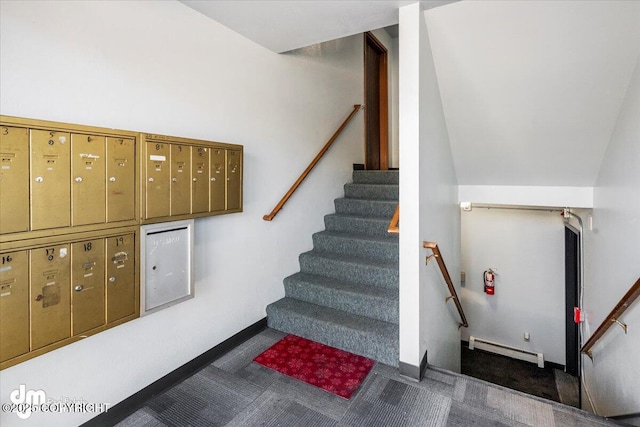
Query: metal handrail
x: 395, y: 220
x: 447, y: 278
x: 315, y: 161
x: 613, y: 317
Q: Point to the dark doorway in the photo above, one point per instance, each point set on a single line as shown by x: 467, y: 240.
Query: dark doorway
x: 571, y: 269
x: 376, y: 104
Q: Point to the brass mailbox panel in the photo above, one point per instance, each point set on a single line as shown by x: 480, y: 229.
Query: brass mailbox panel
x: 121, y: 257
x: 200, y: 179
x: 234, y: 179
x: 157, y: 185
x: 50, y: 295
x: 14, y: 304
x: 88, y: 185
x: 50, y: 179
x: 14, y: 179
x: 180, y: 179
x: 87, y: 284
x: 121, y: 179
x: 218, y: 180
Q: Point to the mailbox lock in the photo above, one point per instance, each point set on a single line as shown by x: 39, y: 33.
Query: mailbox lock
x: 213, y: 179
x: 112, y: 179
x: 195, y: 179
x: 150, y: 179
x: 39, y: 298
x: 112, y: 279
x: 39, y: 179
x: 78, y: 179
x: 175, y: 180
x: 79, y: 288
x: 51, y: 142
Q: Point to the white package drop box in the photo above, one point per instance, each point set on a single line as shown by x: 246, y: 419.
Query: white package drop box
x: 166, y: 265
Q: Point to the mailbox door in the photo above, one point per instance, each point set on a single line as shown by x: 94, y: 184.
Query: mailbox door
x: 200, y: 179
x: 157, y: 185
x: 218, y: 181
x: 88, y: 179
x: 120, y: 277
x: 50, y: 295
x: 121, y: 184
x: 14, y: 305
x: 14, y: 179
x: 180, y: 179
x: 234, y: 179
x: 50, y: 180
x: 87, y: 285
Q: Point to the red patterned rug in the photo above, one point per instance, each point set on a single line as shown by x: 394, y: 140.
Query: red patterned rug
x: 336, y: 371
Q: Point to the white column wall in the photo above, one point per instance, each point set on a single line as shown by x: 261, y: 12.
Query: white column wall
x: 428, y: 195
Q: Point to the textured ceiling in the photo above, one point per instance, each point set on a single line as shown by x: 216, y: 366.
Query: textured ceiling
x: 285, y: 25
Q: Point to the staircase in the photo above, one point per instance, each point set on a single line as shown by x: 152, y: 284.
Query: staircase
x: 346, y: 293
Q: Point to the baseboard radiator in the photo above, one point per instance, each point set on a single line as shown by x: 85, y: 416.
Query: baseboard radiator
x: 506, y: 350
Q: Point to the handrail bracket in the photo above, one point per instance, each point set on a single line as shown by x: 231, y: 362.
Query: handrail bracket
x: 621, y: 324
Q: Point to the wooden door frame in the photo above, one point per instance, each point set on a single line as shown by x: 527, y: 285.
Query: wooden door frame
x: 370, y: 39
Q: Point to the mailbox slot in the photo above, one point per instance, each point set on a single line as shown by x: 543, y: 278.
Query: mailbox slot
x: 14, y: 304
x: 50, y: 180
x: 121, y: 184
x: 50, y: 295
x: 88, y: 179
x: 120, y: 277
x: 14, y: 179
x: 180, y: 179
x: 87, y: 283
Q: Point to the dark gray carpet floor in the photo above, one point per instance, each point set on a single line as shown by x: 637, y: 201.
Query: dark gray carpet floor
x: 516, y: 374
x: 234, y: 391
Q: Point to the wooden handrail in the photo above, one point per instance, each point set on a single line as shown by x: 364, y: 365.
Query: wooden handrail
x: 613, y: 317
x: 393, y: 225
x: 314, y: 162
x: 447, y: 278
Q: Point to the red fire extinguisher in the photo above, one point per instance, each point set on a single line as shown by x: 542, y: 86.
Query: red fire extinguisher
x: 489, y: 282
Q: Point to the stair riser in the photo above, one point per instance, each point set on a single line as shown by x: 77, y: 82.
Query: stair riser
x: 376, y: 209
x: 376, y: 177
x: 349, y: 272
x: 369, y: 226
x: 363, y: 305
x: 386, y: 251
x: 369, y: 191
x: 369, y: 345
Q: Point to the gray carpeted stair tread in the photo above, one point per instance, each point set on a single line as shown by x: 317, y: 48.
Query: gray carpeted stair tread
x: 350, y: 268
x: 365, y: 207
x: 359, y: 245
x: 376, y: 177
x: 371, y: 191
x: 365, y: 336
x: 375, y: 302
x: 357, y: 224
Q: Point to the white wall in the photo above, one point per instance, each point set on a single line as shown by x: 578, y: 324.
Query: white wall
x: 613, y: 265
x: 428, y: 191
x: 158, y: 66
x: 526, y: 248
